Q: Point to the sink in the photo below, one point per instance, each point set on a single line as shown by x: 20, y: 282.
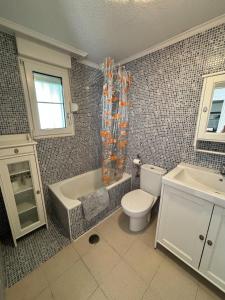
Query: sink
x: 205, y: 182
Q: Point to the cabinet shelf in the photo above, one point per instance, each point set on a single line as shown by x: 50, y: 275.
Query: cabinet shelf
x: 19, y: 172
x: 25, y: 189
x: 25, y: 207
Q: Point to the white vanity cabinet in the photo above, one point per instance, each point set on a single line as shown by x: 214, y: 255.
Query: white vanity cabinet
x: 193, y: 229
x: 21, y: 184
x: 213, y: 258
x: 184, y: 221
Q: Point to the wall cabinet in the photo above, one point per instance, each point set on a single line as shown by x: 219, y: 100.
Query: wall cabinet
x: 21, y: 184
x: 194, y: 230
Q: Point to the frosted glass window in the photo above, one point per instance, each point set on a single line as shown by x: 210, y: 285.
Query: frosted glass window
x: 50, y: 101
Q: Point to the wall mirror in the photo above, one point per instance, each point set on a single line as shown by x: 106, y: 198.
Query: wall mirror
x: 211, y: 117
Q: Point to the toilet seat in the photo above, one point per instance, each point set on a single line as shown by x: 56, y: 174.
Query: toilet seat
x: 137, y: 202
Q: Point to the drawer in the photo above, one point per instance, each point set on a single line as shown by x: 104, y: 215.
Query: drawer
x: 16, y: 151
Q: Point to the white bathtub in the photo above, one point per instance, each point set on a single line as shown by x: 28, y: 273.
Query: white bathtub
x: 69, y: 190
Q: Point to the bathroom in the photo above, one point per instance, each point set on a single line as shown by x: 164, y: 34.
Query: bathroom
x: 172, y: 50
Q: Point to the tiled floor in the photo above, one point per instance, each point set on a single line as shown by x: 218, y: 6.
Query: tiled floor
x: 31, y: 251
x: 121, y: 266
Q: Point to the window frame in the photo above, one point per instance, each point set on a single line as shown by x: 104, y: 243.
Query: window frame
x: 27, y: 67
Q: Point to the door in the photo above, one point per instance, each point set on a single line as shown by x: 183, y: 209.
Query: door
x: 183, y: 225
x: 213, y: 259
x: 23, y: 197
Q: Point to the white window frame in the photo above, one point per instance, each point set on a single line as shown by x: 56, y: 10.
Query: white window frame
x: 27, y: 68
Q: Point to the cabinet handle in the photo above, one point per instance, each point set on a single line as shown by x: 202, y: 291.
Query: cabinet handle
x: 16, y: 150
x: 201, y: 237
x: 38, y: 192
x: 209, y: 243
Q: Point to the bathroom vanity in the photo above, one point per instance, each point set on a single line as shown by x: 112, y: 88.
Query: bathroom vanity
x: 20, y: 183
x: 191, y: 221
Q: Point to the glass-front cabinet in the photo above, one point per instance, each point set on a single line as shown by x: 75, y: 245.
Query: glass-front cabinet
x: 22, y: 191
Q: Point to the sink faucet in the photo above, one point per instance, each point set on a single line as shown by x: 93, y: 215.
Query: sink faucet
x: 222, y: 170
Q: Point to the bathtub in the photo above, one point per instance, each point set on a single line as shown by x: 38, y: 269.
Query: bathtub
x: 68, y: 209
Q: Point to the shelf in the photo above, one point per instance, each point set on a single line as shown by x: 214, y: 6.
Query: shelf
x: 28, y: 223
x: 25, y: 189
x: 25, y: 207
x: 19, y: 172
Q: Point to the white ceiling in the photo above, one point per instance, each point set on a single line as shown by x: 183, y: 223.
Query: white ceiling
x: 117, y: 28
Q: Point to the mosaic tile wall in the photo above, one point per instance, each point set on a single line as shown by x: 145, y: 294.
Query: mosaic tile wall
x: 165, y: 97
x: 59, y: 158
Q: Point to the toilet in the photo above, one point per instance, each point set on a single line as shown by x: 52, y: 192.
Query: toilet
x: 137, y: 204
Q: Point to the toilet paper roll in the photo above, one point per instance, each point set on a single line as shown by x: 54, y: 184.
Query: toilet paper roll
x: 137, y: 161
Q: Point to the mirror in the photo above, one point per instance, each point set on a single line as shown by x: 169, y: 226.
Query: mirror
x: 211, y: 118
x: 216, y: 119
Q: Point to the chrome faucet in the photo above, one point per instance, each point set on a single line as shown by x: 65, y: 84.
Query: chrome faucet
x: 222, y: 170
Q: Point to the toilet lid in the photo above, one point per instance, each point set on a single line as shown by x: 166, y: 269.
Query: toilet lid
x: 137, y: 201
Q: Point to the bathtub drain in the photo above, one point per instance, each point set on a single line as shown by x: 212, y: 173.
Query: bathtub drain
x: 94, y: 239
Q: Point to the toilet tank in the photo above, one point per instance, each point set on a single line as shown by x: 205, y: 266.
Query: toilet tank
x: 151, y: 179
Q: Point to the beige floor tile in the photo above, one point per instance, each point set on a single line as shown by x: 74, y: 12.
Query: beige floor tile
x: 82, y: 244
x: 148, y: 234
x: 123, y: 283
x: 117, y: 235
x: 101, y: 260
x: 75, y: 283
x: 144, y: 260
x: 98, y: 295
x: 172, y: 283
x: 205, y: 293
x: 29, y: 287
x: 45, y: 295
x: 56, y: 265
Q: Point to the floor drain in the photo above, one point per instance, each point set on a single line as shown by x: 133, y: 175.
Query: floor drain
x: 94, y: 239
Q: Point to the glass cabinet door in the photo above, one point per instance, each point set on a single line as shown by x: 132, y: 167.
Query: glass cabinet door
x: 24, y: 192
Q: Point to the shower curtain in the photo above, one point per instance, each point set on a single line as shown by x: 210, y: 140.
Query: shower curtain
x: 114, y: 131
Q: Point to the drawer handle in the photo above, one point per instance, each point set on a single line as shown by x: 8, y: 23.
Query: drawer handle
x: 201, y: 237
x: 209, y: 243
x: 38, y: 192
x: 16, y: 151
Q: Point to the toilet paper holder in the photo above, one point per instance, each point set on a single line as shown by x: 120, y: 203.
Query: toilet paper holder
x: 137, y: 163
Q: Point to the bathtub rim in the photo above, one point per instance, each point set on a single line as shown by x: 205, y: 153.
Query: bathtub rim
x: 69, y: 203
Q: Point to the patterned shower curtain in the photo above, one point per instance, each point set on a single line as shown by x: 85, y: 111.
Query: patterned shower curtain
x: 114, y: 131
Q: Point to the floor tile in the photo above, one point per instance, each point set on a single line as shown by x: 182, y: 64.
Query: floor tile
x: 82, y: 244
x: 172, y: 283
x: 45, y: 295
x: 101, y: 260
x: 205, y: 293
x: 29, y: 287
x: 75, y: 283
x: 55, y: 266
x: 148, y: 234
x: 144, y: 260
x: 116, y: 235
x: 98, y: 295
x: 123, y: 283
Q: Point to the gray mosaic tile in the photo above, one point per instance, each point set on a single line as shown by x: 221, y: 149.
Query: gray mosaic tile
x: 32, y: 250
x: 165, y: 97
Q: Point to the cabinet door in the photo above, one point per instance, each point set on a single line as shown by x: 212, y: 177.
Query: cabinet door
x: 213, y: 259
x: 183, y: 224
x: 22, y: 194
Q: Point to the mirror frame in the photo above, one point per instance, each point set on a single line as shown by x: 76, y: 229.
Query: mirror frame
x: 205, y: 109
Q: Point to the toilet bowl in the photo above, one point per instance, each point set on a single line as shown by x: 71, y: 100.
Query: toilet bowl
x: 137, y: 204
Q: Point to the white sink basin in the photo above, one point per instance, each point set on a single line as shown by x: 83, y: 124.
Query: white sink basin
x: 204, y: 182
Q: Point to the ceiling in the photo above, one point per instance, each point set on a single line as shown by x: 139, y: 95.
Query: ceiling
x: 117, y: 28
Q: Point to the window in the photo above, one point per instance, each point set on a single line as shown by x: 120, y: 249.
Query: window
x: 49, y: 99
